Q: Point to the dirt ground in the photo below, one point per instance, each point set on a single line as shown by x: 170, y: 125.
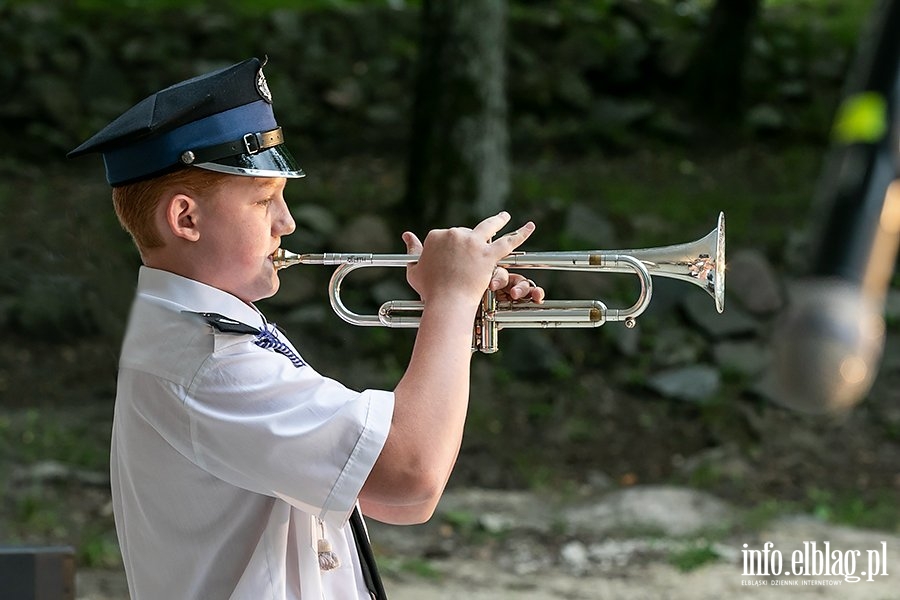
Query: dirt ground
x: 476, y: 580
x: 521, y: 567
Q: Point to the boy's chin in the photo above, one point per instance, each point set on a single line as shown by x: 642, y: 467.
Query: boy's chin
x: 273, y: 289
x: 260, y: 292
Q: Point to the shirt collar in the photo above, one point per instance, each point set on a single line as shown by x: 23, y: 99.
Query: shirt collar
x: 194, y: 296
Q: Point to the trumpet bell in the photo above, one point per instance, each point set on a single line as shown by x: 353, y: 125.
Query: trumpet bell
x: 701, y: 262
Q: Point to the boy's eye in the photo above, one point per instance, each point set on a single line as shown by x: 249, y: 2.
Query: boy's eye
x: 265, y: 202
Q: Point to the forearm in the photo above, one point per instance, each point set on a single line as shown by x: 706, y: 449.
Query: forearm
x: 433, y: 394
x: 454, y: 268
x: 430, y: 405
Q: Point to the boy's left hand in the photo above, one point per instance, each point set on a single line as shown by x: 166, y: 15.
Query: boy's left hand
x: 512, y: 287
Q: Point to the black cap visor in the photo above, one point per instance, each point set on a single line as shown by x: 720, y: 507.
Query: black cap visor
x: 272, y: 162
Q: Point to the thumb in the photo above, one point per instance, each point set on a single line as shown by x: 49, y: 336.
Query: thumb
x: 413, y: 245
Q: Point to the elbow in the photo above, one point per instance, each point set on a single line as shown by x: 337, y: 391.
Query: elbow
x: 411, y: 471
x: 421, y: 486
x: 410, y: 484
x: 419, y: 495
x: 421, y: 515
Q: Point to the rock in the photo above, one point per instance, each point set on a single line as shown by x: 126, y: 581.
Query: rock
x: 797, y: 533
x: 733, y: 322
x: 495, y: 511
x: 752, y: 281
x: 676, y: 346
x: 721, y: 463
x: 627, y: 340
x: 524, y: 557
x: 599, y: 481
x: 494, y: 523
x: 575, y: 556
x: 661, y: 509
x: 748, y: 358
x: 694, y: 383
x: 51, y: 471
x: 531, y: 353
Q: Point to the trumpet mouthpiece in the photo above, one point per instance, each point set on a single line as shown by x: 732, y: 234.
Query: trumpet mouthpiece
x: 282, y: 259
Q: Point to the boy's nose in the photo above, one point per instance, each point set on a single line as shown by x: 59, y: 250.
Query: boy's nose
x: 284, y: 223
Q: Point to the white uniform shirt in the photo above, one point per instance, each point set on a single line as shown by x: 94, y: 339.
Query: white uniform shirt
x: 225, y: 456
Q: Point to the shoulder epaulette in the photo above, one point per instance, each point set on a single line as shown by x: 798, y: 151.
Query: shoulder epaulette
x: 224, y: 324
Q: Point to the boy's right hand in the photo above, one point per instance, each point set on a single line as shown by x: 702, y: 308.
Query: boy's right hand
x: 458, y: 264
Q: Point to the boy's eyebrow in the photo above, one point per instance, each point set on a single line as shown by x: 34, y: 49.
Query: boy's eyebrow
x: 271, y: 183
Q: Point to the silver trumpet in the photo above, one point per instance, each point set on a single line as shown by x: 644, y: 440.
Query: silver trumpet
x: 701, y: 262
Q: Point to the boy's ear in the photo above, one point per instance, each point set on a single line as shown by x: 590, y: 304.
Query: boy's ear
x: 182, y: 215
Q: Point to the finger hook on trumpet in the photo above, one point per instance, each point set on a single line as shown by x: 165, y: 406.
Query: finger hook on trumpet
x: 701, y: 262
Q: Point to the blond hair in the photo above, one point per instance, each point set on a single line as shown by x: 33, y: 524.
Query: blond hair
x: 136, y: 203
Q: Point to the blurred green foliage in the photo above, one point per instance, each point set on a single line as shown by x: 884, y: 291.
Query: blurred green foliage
x: 34, y: 435
x: 582, y: 75
x: 585, y: 79
x: 241, y: 6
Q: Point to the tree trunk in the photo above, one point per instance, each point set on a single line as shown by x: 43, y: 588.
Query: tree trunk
x: 716, y: 74
x: 458, y: 167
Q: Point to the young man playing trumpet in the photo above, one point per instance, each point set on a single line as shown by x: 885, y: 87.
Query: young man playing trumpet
x: 235, y: 467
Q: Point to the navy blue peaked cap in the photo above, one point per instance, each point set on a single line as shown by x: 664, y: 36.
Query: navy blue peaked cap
x: 222, y: 121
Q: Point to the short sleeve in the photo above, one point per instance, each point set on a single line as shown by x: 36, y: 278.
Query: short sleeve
x: 261, y: 423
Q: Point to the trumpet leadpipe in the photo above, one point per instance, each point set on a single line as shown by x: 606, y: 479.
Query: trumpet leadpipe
x: 283, y: 259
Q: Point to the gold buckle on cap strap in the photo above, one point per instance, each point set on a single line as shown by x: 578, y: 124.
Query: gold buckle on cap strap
x: 254, y: 142
x: 250, y: 143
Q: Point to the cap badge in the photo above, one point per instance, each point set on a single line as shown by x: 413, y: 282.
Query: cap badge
x: 263, y: 87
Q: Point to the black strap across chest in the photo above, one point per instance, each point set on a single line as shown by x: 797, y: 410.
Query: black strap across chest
x: 366, y: 557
